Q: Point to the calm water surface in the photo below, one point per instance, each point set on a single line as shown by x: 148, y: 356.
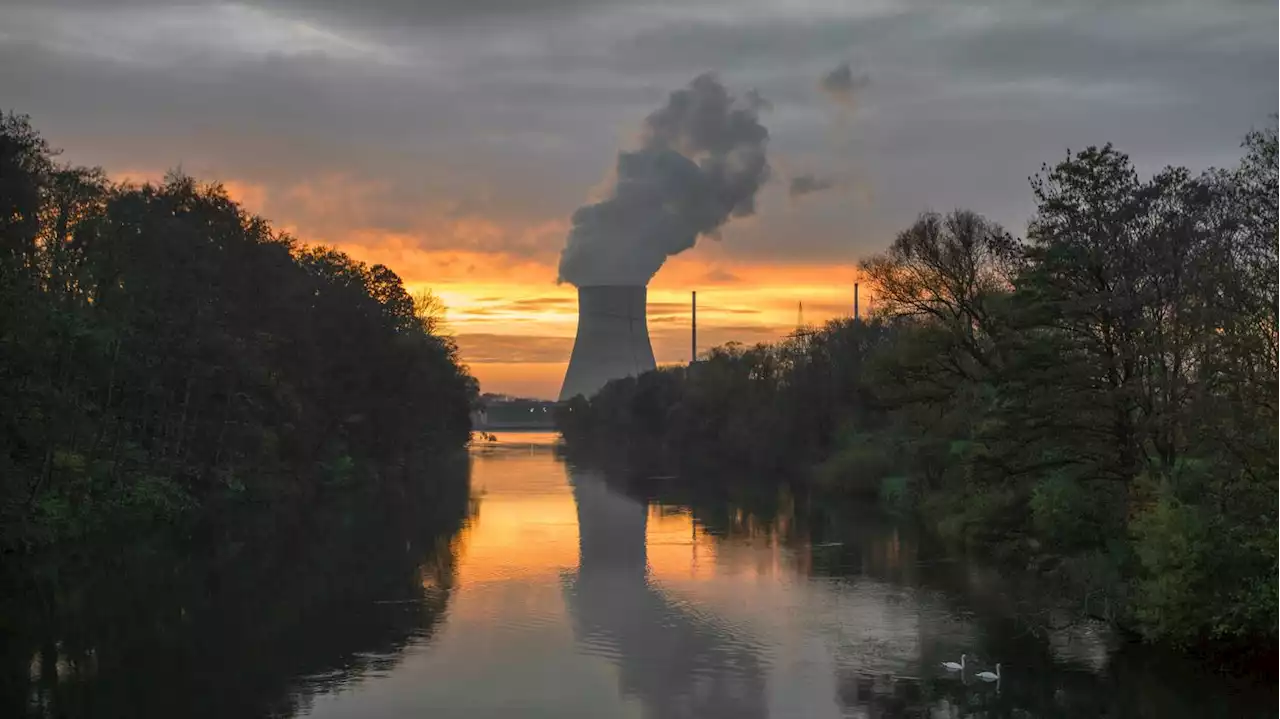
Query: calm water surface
x: 560, y: 594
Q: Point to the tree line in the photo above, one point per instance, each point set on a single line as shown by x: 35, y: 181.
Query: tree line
x: 1096, y: 401
x: 163, y: 351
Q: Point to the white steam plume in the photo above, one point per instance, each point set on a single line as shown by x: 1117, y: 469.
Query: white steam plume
x: 700, y: 162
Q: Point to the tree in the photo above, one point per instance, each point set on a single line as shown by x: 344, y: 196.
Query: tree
x: 161, y: 349
x: 948, y: 271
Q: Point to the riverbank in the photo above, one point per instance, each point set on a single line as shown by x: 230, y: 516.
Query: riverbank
x: 1047, y: 593
x: 788, y: 510
x: 730, y: 595
x: 1087, y: 404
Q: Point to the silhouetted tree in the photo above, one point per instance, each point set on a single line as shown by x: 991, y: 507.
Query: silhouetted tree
x: 161, y: 348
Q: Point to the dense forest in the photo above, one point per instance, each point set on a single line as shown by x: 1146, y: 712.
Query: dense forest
x: 163, y: 352
x: 1096, y: 402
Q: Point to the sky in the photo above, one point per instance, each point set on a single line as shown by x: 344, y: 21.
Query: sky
x: 452, y: 140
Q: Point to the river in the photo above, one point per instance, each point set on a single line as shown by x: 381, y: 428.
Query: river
x: 555, y: 591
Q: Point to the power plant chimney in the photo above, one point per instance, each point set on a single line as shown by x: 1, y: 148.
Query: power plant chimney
x: 693, y: 340
x: 855, y: 301
x: 612, y: 339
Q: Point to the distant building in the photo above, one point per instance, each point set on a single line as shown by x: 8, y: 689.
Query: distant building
x: 504, y: 412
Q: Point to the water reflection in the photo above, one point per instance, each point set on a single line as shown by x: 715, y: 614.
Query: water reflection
x: 254, y: 623
x: 678, y: 661
x: 557, y: 590
x: 845, y: 590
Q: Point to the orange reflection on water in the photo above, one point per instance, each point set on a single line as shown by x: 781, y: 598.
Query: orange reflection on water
x: 518, y: 537
x: 526, y: 524
x: 677, y: 549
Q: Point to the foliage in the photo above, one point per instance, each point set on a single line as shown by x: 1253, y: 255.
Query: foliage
x: 795, y: 394
x: 1096, y: 402
x: 1061, y: 512
x: 160, y: 347
x: 859, y: 465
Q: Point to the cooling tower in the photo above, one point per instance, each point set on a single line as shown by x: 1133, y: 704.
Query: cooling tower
x: 612, y: 341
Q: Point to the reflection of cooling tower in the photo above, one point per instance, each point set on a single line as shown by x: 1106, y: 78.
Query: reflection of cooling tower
x: 612, y: 341
x: 677, y: 658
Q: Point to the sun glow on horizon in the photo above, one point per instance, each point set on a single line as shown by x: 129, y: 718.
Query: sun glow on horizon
x: 514, y: 325
x: 516, y: 335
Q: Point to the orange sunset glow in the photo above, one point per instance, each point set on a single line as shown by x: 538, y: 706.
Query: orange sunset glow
x: 515, y: 326
x: 455, y: 145
x: 516, y: 333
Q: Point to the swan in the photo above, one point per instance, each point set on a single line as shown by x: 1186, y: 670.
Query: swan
x: 953, y: 667
x: 988, y: 676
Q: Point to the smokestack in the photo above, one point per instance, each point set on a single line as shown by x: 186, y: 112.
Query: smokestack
x: 693, y: 341
x: 612, y: 339
x: 855, y: 301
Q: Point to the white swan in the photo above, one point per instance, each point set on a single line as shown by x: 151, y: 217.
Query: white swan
x: 988, y: 676
x: 953, y: 667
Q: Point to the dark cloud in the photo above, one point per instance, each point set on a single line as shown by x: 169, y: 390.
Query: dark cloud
x: 809, y: 183
x: 655, y: 321
x: 841, y: 84
x: 384, y: 13
x: 683, y: 309
x: 701, y: 161
x: 720, y: 276
x: 500, y: 308
x: 542, y: 303
x: 397, y: 13
x: 302, y: 134
x: 482, y: 348
x: 509, y: 111
x: 483, y: 312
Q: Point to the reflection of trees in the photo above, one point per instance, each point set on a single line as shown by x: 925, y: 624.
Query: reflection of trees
x: 679, y: 664
x: 887, y: 697
x: 1055, y: 668
x: 252, y: 626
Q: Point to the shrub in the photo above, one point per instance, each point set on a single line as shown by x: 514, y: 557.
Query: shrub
x: 857, y: 467
x: 1061, y: 513
x: 1170, y: 542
